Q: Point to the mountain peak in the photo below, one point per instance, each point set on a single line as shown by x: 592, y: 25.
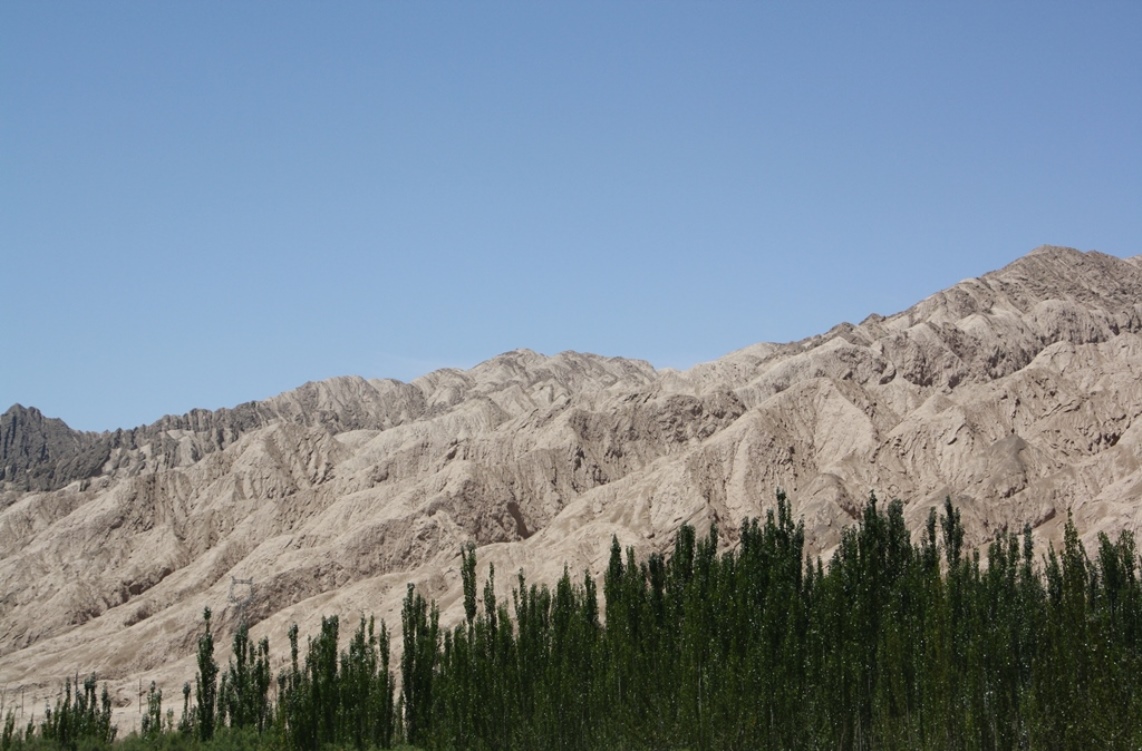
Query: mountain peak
x: 38, y: 452
x: 1055, y: 251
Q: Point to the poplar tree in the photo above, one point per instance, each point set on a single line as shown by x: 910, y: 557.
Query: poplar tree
x: 206, y: 681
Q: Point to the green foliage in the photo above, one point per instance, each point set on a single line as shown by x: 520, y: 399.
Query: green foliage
x: 893, y: 645
x: 186, y: 724
x: 420, y: 631
x: 206, y: 688
x: 468, y: 576
x: 152, y: 723
x: 896, y: 645
x: 340, y: 700
x: 244, y: 695
x: 79, y: 721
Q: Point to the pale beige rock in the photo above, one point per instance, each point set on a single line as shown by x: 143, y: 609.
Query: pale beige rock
x: 1018, y: 394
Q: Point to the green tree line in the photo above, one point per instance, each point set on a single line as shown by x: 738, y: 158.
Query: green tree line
x: 894, y: 645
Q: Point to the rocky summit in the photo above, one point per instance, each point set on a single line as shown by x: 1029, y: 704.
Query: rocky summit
x: 1017, y: 394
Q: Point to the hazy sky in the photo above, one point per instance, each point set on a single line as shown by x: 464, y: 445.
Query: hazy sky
x: 204, y: 203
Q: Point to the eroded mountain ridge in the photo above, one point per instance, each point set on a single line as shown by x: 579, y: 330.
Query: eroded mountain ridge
x: 1017, y: 394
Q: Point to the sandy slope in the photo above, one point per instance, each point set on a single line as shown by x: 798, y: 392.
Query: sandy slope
x: 1017, y: 393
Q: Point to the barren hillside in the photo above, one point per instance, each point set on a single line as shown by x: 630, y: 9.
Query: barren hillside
x: 1017, y: 393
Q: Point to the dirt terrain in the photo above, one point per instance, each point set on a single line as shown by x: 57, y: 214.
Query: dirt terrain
x: 1017, y: 393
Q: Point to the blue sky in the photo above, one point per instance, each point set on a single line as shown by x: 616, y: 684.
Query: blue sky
x: 204, y: 203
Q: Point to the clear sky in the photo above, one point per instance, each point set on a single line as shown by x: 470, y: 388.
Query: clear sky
x: 204, y: 203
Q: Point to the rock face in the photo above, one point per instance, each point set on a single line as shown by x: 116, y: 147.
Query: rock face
x: 1018, y: 394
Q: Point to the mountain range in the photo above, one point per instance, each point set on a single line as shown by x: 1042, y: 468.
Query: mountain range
x: 1016, y: 394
